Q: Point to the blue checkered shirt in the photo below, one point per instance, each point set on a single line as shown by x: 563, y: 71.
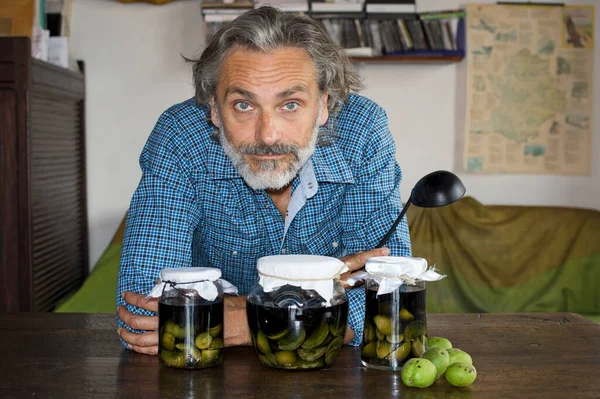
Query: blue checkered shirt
x: 192, y: 208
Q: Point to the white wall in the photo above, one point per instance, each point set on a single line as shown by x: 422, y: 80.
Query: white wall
x: 134, y: 71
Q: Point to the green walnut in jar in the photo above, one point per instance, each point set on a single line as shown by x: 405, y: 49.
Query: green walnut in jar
x: 190, y: 317
x: 298, y: 311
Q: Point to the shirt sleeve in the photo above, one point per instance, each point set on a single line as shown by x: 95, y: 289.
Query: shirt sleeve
x: 356, y: 315
x: 372, y: 205
x: 162, y: 216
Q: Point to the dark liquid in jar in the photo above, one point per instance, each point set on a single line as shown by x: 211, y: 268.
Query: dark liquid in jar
x: 297, y: 339
x: 395, y: 327
x: 190, y: 333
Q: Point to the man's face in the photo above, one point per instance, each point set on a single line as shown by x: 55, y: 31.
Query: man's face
x: 268, y: 110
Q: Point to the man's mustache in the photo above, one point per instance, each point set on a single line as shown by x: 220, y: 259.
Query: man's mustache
x: 264, y: 149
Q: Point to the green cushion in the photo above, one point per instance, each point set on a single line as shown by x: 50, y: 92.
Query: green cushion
x: 99, y: 290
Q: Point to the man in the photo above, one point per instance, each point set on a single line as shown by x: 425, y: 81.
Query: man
x: 274, y: 156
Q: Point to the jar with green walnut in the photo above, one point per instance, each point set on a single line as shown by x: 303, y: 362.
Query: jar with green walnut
x: 190, y: 314
x: 298, y: 311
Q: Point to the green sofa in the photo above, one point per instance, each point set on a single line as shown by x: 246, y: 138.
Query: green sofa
x: 496, y: 258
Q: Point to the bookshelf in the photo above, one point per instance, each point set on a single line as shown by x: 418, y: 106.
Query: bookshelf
x: 373, y: 31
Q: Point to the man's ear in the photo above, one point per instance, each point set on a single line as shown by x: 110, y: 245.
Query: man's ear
x: 324, y: 109
x: 214, y: 117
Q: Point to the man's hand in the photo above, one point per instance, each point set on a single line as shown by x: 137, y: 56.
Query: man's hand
x: 357, y: 261
x: 148, y: 341
x: 349, y: 335
x: 236, y: 331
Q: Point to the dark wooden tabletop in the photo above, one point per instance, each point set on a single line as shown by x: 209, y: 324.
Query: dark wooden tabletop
x: 535, y: 355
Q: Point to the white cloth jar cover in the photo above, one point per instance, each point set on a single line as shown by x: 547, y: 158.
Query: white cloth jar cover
x: 201, y: 279
x: 391, y: 272
x: 309, y: 272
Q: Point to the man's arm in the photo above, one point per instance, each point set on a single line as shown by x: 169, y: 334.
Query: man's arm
x: 372, y: 205
x: 160, y: 225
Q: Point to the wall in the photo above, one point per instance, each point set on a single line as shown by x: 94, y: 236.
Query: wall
x: 134, y: 71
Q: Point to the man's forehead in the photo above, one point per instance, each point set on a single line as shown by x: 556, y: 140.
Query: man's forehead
x: 285, y: 70
x: 295, y: 89
x: 240, y: 51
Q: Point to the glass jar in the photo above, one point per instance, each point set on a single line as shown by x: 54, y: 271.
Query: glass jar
x: 298, y: 311
x: 190, y: 317
x: 395, y: 328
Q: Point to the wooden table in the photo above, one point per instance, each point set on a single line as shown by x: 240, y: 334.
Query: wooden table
x: 535, y: 355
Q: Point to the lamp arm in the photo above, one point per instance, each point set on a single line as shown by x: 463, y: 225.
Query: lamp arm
x: 393, y: 228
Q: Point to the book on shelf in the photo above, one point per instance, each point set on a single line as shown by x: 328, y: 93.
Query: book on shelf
x: 221, y: 15
x: 448, y: 36
x: 349, y: 33
x: 217, y: 13
x: 336, y: 6
x: 407, y: 42
x: 417, y: 34
x: 443, y: 27
x: 435, y: 34
x: 248, y: 4
x: 58, y: 16
x: 391, y: 6
x: 392, y: 27
x: 376, y: 39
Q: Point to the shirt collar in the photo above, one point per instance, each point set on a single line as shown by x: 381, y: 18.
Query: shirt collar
x: 328, y: 163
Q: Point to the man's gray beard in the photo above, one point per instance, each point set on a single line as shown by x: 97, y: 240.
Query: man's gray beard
x: 269, y: 177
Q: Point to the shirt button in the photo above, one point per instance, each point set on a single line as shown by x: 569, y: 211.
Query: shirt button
x: 309, y: 185
x: 234, y: 253
x: 334, y: 244
x: 282, y: 250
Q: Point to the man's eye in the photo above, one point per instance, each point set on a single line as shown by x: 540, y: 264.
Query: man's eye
x: 242, y: 106
x: 291, y: 106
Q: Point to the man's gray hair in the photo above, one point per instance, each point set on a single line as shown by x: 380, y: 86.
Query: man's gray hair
x: 266, y: 29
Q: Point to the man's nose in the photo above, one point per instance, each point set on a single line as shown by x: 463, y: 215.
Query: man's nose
x: 267, y: 131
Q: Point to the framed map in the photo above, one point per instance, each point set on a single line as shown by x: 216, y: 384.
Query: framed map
x: 529, y: 89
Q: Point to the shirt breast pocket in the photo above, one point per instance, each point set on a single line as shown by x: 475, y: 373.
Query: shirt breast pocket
x: 235, y: 254
x: 326, y: 241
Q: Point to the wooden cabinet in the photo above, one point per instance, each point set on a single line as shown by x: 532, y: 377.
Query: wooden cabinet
x: 43, y: 214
